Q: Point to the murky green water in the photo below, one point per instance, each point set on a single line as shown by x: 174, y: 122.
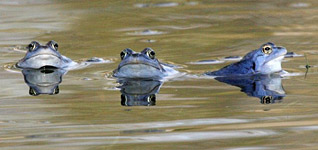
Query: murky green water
x: 190, y: 113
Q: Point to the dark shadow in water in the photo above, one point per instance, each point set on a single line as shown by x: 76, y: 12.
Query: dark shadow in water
x: 139, y: 92
x: 45, y: 80
x: 268, y: 89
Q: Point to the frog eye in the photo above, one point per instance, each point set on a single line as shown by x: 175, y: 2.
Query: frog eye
x: 267, y: 49
x: 32, y: 46
x: 266, y: 99
x: 151, y: 54
x: 123, y: 54
x: 54, y: 45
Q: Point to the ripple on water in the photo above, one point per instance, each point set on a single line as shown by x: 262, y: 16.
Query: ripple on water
x: 165, y: 4
x: 19, y: 24
x: 233, y: 58
x: 168, y: 4
x: 251, y: 148
x: 164, y: 137
x: 205, y: 62
x: 148, y: 41
x: 292, y: 54
x: 305, y: 128
x: 146, y: 32
x: 300, y: 5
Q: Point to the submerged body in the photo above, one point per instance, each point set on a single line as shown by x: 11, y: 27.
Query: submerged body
x: 265, y: 60
x: 143, y: 65
x: 39, y: 56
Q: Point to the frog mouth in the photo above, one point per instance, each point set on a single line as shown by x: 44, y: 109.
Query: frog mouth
x: 140, y: 63
x: 277, y: 59
x: 45, y: 56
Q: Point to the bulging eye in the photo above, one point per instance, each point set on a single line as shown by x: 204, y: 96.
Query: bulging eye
x: 55, y: 46
x: 123, y: 55
x: 267, y: 49
x: 151, y: 54
x: 31, y: 46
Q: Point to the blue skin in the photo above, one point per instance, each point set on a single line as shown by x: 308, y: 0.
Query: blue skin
x: 141, y: 65
x: 268, y: 89
x: 139, y: 92
x: 265, y: 60
x: 39, y: 56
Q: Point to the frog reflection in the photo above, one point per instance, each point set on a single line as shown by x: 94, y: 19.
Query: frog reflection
x: 268, y: 89
x: 43, y: 81
x: 139, y: 92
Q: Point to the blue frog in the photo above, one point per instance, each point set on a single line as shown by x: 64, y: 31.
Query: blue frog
x: 265, y: 60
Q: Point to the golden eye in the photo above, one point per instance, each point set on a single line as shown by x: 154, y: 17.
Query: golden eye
x: 267, y: 49
x: 151, y: 54
x: 267, y: 99
x: 123, y: 54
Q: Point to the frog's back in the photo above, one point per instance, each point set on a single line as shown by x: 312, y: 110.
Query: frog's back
x: 244, y: 66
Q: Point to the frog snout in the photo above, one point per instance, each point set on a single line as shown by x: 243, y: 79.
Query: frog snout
x: 135, y: 55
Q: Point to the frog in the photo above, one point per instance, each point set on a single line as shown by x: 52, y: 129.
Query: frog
x: 266, y: 59
x: 142, y: 65
x: 38, y: 56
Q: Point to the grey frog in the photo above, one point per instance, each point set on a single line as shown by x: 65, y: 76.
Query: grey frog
x: 39, y: 56
x: 143, y: 65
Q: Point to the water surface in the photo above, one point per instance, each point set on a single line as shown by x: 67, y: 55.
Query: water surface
x: 189, y: 113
